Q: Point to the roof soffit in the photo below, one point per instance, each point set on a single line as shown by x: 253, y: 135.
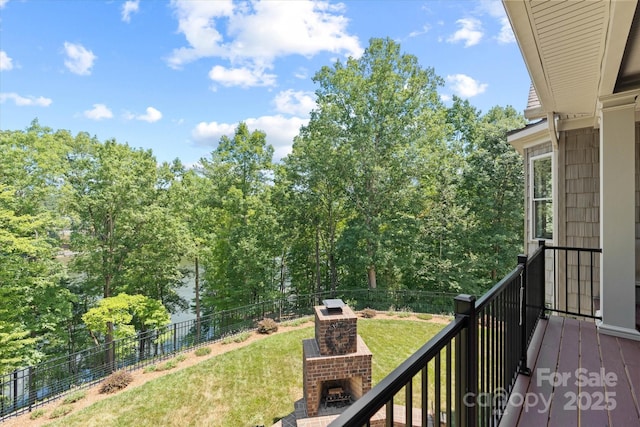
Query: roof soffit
x: 572, y: 49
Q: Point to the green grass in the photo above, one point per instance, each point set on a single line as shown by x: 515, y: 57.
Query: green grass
x: 60, y: 411
x: 237, y: 338
x: 254, y: 385
x: 202, y: 351
x: 73, y: 398
x: 37, y: 414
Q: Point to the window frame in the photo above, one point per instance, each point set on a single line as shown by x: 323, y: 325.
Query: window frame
x: 533, y: 200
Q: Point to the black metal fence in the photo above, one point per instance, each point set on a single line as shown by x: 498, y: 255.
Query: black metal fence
x: 464, y: 375
x: 574, y: 280
x: 26, y: 389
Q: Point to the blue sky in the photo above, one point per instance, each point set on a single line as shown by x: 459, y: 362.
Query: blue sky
x: 175, y: 76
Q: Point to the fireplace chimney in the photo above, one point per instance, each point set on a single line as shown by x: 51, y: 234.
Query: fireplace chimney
x: 337, y: 363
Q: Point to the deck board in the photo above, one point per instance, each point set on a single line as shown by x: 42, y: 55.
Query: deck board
x: 566, y: 345
x: 622, y: 415
x: 561, y: 412
x: 591, y: 361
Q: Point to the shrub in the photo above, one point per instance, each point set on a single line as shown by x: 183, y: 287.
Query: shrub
x: 150, y: 368
x: 73, y: 398
x: 202, y: 351
x: 116, y: 381
x: 170, y: 364
x: 267, y: 326
x: 36, y: 414
x: 60, y: 411
x: 424, y: 316
x: 405, y: 312
x: 368, y: 313
x: 297, y: 322
x: 236, y: 338
x: 180, y: 358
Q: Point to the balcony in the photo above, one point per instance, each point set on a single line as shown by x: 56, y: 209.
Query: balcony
x: 517, y: 356
x: 605, y: 392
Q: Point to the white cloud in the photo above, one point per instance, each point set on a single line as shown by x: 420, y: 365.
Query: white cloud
x: 506, y: 32
x: 79, y: 59
x: 129, y: 7
x: 470, y: 32
x: 424, y: 30
x: 297, y: 103
x: 465, y: 86
x: 243, y: 77
x: 6, y: 63
x: 302, y: 73
x: 280, y: 132
x: 28, y: 101
x: 256, y: 33
x: 152, y: 115
x: 3, y: 3
x: 99, y: 112
x: 496, y: 10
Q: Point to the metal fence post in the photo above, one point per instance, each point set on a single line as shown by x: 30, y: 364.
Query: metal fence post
x: 466, y: 360
x: 523, y: 368
x: 543, y: 311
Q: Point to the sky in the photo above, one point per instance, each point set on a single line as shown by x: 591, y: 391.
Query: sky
x: 174, y: 76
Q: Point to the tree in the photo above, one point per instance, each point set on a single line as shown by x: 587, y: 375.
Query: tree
x: 312, y: 207
x: 382, y: 108
x: 188, y: 199
x: 35, y: 305
x: 123, y: 231
x: 240, y: 267
x: 493, y: 187
x: 123, y: 317
x: 127, y: 313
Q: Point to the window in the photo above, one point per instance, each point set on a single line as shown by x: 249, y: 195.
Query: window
x: 542, y: 197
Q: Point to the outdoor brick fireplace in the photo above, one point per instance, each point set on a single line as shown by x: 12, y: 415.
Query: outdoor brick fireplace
x: 337, y: 363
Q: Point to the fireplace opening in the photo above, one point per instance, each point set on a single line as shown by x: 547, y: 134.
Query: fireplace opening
x: 336, y: 394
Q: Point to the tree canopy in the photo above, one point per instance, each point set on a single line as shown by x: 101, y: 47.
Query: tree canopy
x: 386, y: 186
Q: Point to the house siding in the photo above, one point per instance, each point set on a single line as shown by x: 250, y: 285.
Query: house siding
x: 579, y: 226
x: 577, y: 183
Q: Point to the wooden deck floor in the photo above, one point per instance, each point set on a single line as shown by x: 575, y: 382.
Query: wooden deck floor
x: 604, y: 392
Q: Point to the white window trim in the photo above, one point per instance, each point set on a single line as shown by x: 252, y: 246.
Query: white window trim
x: 530, y: 209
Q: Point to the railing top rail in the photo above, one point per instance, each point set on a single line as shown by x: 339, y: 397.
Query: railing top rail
x: 572, y: 248
x: 498, y: 287
x: 377, y: 397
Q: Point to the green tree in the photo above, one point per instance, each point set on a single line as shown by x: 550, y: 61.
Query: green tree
x: 35, y: 308
x: 125, y: 314
x: 493, y: 188
x: 240, y: 267
x: 123, y: 231
x: 188, y: 197
x: 382, y: 107
x: 313, y: 207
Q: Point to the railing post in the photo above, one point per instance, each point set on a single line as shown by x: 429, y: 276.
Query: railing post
x: 523, y: 368
x: 543, y: 311
x: 466, y: 349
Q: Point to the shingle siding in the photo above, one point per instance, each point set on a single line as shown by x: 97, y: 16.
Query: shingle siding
x: 578, y: 211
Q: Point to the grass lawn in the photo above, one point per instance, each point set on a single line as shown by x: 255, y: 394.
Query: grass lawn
x: 253, y: 385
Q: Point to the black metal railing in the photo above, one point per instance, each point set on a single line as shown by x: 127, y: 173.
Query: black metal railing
x: 464, y: 375
x: 25, y: 389
x: 575, y: 284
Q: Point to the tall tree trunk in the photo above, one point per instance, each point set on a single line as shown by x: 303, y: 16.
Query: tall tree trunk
x: 318, y: 279
x: 109, y: 347
x: 371, y: 276
x: 334, y: 274
x: 197, y: 285
x: 108, y: 340
x: 282, y: 289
